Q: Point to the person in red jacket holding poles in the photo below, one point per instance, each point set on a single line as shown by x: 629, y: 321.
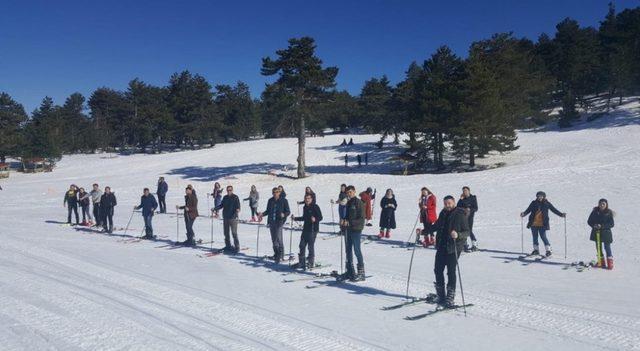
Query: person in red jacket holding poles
x: 368, y: 196
x: 428, y: 217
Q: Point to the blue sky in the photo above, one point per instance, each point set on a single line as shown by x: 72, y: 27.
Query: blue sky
x: 56, y: 48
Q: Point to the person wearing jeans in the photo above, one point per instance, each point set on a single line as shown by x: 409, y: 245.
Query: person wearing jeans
x: 277, y: 213
x: 190, y: 214
x: 148, y: 204
x: 230, y: 207
x: 161, y: 191
x: 353, y: 225
x: 538, y: 212
x: 311, y: 215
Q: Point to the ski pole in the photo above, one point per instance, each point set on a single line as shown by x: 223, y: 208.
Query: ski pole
x: 209, y: 207
x: 413, y: 251
x: 414, y: 229
x: 455, y: 251
x: 177, y: 224
x: 258, y: 241
x: 565, y: 237
x: 291, y: 242
x: 344, y: 237
x: 211, y: 227
x: 522, y: 233
x: 128, y: 223
x: 333, y: 219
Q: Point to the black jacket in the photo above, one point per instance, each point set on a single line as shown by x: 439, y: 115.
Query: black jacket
x: 107, y: 203
x: 544, y: 206
x: 148, y: 204
x: 277, y: 211
x: 355, y: 214
x: 471, y: 203
x: 605, y: 219
x: 71, y: 198
x: 230, y: 206
x: 448, y: 221
x: 162, y: 189
x: 388, y: 213
x: 309, y: 211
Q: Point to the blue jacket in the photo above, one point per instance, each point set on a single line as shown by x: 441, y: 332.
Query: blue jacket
x: 148, y: 204
x: 163, y: 188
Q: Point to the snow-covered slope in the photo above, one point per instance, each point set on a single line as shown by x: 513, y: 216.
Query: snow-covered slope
x: 69, y: 289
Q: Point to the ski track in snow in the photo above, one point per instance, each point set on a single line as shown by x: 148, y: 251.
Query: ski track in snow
x: 80, y: 290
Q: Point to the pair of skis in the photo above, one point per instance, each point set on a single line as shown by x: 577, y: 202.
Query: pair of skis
x: 431, y: 299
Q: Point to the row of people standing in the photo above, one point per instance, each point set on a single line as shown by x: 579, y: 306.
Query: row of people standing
x: 103, y: 206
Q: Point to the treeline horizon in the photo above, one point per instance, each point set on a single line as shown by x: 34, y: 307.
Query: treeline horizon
x: 450, y: 107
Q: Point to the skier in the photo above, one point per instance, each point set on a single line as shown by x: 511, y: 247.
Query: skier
x: 359, y: 158
x: 161, y: 191
x: 538, y: 212
x: 342, y: 202
x: 344, y: 142
x: 428, y: 217
x: 388, y: 205
x: 277, y: 212
x: 217, y: 197
x: 350, y: 142
x: 107, y: 203
x: 85, y: 203
x: 253, y: 198
x: 148, y: 204
x: 71, y: 202
x: 367, y: 197
x: 601, y: 221
x: 96, y: 194
x: 230, y: 206
x: 346, y: 160
x: 283, y: 194
x: 190, y: 214
x: 353, y: 225
x: 311, y: 215
x: 452, y: 231
x: 308, y: 191
x: 470, y: 204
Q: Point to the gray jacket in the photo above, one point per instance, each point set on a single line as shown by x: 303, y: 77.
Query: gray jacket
x: 95, y: 196
x: 253, y: 199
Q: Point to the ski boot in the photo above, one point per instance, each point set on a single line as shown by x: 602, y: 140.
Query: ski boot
x: 381, y: 234
x: 548, y: 250
x: 535, y: 251
x: 451, y: 297
x: 467, y: 249
x: 300, y: 264
x: 347, y: 275
x: 387, y: 234
x: 609, y: 263
x: 474, y: 246
x: 253, y: 218
x: 360, y: 276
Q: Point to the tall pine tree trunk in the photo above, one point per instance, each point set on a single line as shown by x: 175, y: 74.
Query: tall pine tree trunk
x: 472, y: 154
x: 301, y: 148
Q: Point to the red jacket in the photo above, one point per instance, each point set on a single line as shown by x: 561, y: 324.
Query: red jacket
x: 428, y: 208
x: 368, y: 210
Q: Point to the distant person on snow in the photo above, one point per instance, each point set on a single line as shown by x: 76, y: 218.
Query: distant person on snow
x: 230, y: 207
x: 71, y: 202
x: 601, y: 221
x: 538, y: 212
x: 107, y: 204
x: 277, y: 213
x: 388, y: 207
x: 217, y: 197
x: 346, y: 160
x: 367, y: 198
x: 253, y: 199
x: 148, y: 204
x: 359, y: 158
x: 350, y: 141
x: 452, y: 228
x: 96, y: 195
x: 344, y: 142
x: 353, y: 225
x: 190, y: 209
x: 428, y: 216
x: 470, y: 204
x: 161, y: 191
x: 311, y: 215
x: 85, y: 202
x: 342, y: 202
x: 308, y: 191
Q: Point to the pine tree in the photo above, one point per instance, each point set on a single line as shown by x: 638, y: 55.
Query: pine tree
x: 151, y: 121
x: 12, y: 117
x: 375, y: 106
x: 44, y: 132
x: 110, y: 112
x: 302, y: 78
x: 237, y: 110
